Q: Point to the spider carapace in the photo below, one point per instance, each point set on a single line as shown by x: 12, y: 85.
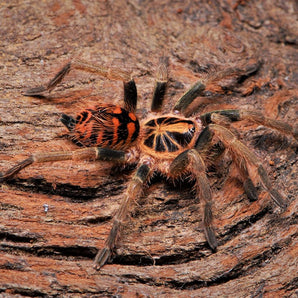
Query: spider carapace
x: 166, y: 137
x: 169, y: 143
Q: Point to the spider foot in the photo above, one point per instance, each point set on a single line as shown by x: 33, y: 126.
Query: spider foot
x: 211, y: 238
x: 102, y: 258
x: 250, y: 190
x: 278, y: 199
x: 36, y: 91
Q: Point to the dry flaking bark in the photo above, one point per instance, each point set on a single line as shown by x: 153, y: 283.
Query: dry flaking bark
x: 163, y: 251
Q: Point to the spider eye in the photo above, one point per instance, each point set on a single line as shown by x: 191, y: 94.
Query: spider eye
x: 192, y: 130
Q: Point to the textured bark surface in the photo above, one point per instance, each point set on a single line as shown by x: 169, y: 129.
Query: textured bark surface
x: 163, y: 251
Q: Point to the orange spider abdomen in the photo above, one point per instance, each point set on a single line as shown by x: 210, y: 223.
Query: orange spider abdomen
x: 104, y: 125
x: 166, y: 137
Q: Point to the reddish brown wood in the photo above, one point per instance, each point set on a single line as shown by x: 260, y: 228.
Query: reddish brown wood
x: 163, y: 251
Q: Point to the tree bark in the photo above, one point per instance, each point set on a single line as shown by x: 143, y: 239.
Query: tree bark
x: 54, y: 216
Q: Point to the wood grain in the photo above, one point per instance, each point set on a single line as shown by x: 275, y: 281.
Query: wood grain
x: 163, y: 251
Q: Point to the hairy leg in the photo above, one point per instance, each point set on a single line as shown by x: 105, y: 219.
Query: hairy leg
x: 95, y: 153
x: 133, y: 192
x: 220, y: 116
x: 160, y: 84
x: 243, y: 157
x: 216, y: 82
x: 191, y: 161
x: 189, y: 96
x: 130, y: 90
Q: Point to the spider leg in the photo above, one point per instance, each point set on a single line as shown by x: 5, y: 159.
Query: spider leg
x: 189, y: 96
x: 130, y: 90
x: 217, y: 82
x: 242, y: 157
x: 253, y: 116
x: 160, y: 84
x: 248, y: 185
x: 133, y: 192
x: 192, y: 161
x: 95, y: 153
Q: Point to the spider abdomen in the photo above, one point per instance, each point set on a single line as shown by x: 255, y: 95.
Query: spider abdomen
x: 168, y: 136
x: 104, y: 125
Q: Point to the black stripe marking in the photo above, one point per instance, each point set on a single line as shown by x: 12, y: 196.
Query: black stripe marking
x: 149, y: 141
x: 136, y: 133
x: 151, y: 123
x: 182, y: 139
x: 173, y: 120
x: 170, y: 145
x: 161, y: 120
x: 159, y: 145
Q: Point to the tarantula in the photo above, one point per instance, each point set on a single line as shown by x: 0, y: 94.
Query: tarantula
x: 171, y: 144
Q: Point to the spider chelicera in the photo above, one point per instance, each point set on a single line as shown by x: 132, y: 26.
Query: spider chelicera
x: 171, y: 144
